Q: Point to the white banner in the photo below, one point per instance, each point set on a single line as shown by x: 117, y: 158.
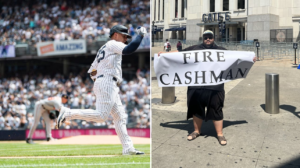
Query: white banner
x: 201, y: 67
x: 61, y: 47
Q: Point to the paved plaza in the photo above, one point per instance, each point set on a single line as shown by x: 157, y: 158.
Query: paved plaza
x: 254, y: 137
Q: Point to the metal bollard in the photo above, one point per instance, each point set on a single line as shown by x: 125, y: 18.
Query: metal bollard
x: 272, y: 93
x: 168, y: 95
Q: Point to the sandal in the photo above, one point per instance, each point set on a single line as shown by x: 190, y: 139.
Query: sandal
x: 222, y: 138
x: 194, y: 135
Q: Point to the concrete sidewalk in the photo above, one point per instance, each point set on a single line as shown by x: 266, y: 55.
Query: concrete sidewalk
x: 254, y: 137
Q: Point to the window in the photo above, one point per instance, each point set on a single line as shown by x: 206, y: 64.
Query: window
x: 158, y: 18
x: 176, y: 8
x: 212, y: 5
x: 241, y: 4
x: 225, y: 5
x: 182, y: 8
x: 281, y: 35
x: 163, y: 8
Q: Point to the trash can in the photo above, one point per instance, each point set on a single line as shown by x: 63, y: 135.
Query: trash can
x: 168, y: 95
x: 272, y: 93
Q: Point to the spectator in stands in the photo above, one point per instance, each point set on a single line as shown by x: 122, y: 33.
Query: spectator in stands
x: 18, y: 96
x: 63, y: 20
x: 2, y: 121
x: 16, y: 122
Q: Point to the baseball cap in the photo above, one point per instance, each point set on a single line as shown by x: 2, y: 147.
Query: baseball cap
x: 65, y: 96
x: 208, y: 32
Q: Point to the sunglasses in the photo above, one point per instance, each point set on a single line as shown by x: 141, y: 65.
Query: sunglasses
x: 205, y: 38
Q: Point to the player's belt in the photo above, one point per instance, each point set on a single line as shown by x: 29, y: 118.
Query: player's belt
x: 114, y: 78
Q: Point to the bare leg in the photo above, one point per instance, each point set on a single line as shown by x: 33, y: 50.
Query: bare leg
x: 197, y: 125
x: 219, y: 129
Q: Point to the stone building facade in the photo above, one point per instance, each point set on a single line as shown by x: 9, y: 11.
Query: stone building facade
x: 265, y: 20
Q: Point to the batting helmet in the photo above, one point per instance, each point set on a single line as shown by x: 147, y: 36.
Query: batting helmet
x: 119, y: 29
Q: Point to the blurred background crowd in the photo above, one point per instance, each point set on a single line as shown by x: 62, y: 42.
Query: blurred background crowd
x: 19, y: 94
x: 56, y: 20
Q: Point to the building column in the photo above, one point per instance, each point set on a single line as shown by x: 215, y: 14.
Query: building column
x: 179, y: 9
x: 66, y: 66
x: 296, y: 29
x: 246, y: 37
x: 242, y: 33
x: 226, y: 34
x: 233, y: 5
x: 218, y: 5
x: 233, y: 32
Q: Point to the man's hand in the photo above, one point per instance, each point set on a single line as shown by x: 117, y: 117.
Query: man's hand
x: 158, y: 54
x: 161, y: 52
x: 141, y: 31
x: 254, y: 59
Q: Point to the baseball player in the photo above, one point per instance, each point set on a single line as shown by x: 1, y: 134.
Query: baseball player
x: 42, y: 109
x: 107, y: 74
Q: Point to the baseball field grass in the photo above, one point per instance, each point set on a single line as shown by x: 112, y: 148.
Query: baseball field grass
x: 20, y: 154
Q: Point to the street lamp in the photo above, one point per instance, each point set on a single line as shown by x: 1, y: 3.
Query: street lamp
x: 153, y: 33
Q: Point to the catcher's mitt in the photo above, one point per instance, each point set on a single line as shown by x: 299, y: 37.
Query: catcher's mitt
x: 56, y: 113
x: 52, y: 115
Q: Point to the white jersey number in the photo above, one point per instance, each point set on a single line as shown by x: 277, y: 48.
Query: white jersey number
x: 101, y: 51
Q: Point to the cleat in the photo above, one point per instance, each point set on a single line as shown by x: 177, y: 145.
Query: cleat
x: 60, y: 118
x: 134, y: 152
x: 51, y: 139
x: 29, y: 141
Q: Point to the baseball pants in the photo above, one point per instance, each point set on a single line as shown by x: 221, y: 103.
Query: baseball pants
x: 107, y: 102
x: 39, y: 112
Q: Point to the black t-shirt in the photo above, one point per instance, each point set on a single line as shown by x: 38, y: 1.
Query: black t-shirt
x: 203, y: 47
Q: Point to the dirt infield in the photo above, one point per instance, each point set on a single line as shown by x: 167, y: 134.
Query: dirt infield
x: 95, y: 140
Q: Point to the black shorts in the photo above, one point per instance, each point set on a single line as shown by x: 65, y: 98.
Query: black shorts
x: 212, y: 100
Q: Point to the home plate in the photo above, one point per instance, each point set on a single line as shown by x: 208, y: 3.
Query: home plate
x: 95, y: 140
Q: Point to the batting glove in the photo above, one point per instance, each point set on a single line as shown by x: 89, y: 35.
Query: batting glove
x: 93, y: 77
x: 141, y: 31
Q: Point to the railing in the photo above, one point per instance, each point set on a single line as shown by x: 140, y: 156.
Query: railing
x: 267, y: 49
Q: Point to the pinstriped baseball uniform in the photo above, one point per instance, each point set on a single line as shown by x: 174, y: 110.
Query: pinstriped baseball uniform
x: 41, y: 109
x: 107, y: 63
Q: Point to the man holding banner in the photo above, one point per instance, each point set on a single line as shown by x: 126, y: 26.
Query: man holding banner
x: 208, y: 95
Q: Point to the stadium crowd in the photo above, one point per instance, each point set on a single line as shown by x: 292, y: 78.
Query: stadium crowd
x: 57, y: 20
x: 19, y: 94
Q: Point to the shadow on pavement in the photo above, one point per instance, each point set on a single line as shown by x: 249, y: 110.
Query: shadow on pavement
x: 292, y: 163
x: 263, y: 106
x: 291, y: 109
x: 285, y: 107
x: 207, y: 128
x: 156, y: 100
